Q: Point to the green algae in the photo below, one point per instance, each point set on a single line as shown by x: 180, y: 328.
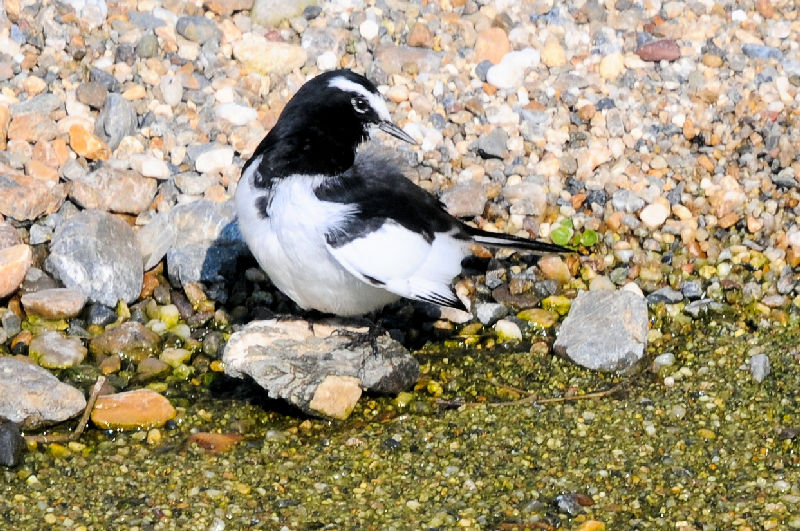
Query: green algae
x: 699, y: 444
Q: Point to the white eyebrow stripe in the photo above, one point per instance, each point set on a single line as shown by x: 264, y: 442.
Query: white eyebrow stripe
x: 375, y: 100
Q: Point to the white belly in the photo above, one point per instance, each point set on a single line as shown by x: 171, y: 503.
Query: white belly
x: 290, y: 246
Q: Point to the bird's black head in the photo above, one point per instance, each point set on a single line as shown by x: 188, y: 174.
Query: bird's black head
x: 322, y: 125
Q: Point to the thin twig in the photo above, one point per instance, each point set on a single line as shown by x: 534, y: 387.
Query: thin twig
x: 79, y: 429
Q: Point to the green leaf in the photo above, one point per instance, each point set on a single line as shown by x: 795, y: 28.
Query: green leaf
x: 561, y: 235
x: 589, y: 238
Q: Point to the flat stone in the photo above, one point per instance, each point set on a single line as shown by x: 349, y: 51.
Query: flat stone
x: 604, y: 330
x: 259, y: 55
x: 131, y: 340
x: 32, y: 397
x: 420, y: 36
x: 198, y: 29
x: 8, y: 236
x: 87, y: 145
x: 666, y: 295
x: 215, y: 158
x: 272, y: 12
x: 315, y: 370
x: 55, y: 303
x: 661, y: 50
x: 23, y: 198
x: 43, y: 104
x: 114, y: 190
x: 32, y: 127
x: 14, y: 264
x: 131, y: 410
x: 52, y: 350
x: 465, y: 199
x: 96, y: 254
x: 92, y: 93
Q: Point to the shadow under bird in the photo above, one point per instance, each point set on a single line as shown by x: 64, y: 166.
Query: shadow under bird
x: 343, y: 231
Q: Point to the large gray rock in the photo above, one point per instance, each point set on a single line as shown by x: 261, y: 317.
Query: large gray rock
x: 200, y: 239
x: 315, y: 369
x: 96, y: 254
x: 32, y: 397
x: 604, y: 330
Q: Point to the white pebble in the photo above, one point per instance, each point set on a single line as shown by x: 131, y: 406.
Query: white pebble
x: 149, y: 166
x: 369, y: 29
x: 653, y: 216
x: 327, y: 61
x: 171, y: 90
x: 235, y: 113
x: 507, y: 330
x: 214, y: 159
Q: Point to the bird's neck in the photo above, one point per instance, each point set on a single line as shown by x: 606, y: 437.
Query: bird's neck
x: 306, y: 151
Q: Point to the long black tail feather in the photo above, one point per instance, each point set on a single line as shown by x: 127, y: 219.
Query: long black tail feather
x: 494, y: 239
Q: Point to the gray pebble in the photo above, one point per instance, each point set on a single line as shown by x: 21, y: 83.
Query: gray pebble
x: 99, y: 314
x: 759, y: 367
x: 92, y: 93
x: 494, y: 143
x: 116, y: 120
x: 489, y: 313
x: 665, y: 294
x: 198, y: 28
x: 44, y: 103
x: 759, y: 51
x: 692, y: 289
x: 147, y: 46
x: 12, y: 444
x: 109, y: 82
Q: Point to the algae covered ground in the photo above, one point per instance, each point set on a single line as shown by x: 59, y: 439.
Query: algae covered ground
x: 698, y: 445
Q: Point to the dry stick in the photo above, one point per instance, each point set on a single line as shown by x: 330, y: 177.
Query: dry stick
x: 76, y: 433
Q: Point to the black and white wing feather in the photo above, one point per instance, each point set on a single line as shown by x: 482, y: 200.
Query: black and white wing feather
x: 398, y: 237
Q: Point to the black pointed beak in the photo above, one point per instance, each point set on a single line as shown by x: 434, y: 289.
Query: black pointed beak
x: 392, y: 129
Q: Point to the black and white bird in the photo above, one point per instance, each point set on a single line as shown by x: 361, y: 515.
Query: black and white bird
x: 344, y: 232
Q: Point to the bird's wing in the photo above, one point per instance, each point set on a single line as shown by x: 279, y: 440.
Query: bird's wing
x: 403, y: 262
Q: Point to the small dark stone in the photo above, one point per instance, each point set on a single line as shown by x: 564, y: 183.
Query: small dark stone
x: 311, y: 12
x: 666, y: 295
x: 162, y: 295
x: 125, y: 54
x: 109, y: 82
x: 605, y: 103
x: 596, y: 197
x: 92, y: 93
x: 12, y: 444
x: 182, y: 303
x: 390, y: 444
x: 692, y: 289
x: 212, y: 343
x: 171, y: 425
x: 482, y: 68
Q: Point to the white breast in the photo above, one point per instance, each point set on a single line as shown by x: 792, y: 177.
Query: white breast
x: 289, y: 244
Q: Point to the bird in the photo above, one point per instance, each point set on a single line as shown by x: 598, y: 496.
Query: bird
x: 343, y: 231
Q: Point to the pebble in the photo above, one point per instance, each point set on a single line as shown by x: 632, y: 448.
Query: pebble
x: 95, y: 253
x: 12, y: 444
x: 553, y: 54
x: 116, y: 120
x: 604, y: 330
x: 238, y: 114
x: 87, y: 145
x: 488, y: 313
x: 420, y: 36
x: 368, y: 29
x: 171, y: 90
x: 198, y: 29
x: 272, y: 12
x: 114, y: 190
x: 666, y: 295
x: 52, y: 350
x: 507, y: 330
x: 132, y: 410
x: 132, y: 340
x: 654, y: 215
x: 14, y: 264
x: 662, y: 50
x: 760, y: 367
x: 32, y: 397
x: 268, y: 57
x: 465, y: 200
x: 510, y: 72
x: 149, y: 166
x: 612, y: 66
x: 491, y: 45
x: 759, y: 51
x: 54, y: 303
x: 92, y: 93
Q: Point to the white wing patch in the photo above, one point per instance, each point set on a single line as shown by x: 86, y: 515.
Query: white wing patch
x: 402, y: 262
x: 375, y: 100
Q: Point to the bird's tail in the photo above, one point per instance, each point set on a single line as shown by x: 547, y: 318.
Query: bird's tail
x: 494, y: 239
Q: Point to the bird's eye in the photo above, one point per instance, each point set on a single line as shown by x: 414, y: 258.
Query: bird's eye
x: 360, y: 104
